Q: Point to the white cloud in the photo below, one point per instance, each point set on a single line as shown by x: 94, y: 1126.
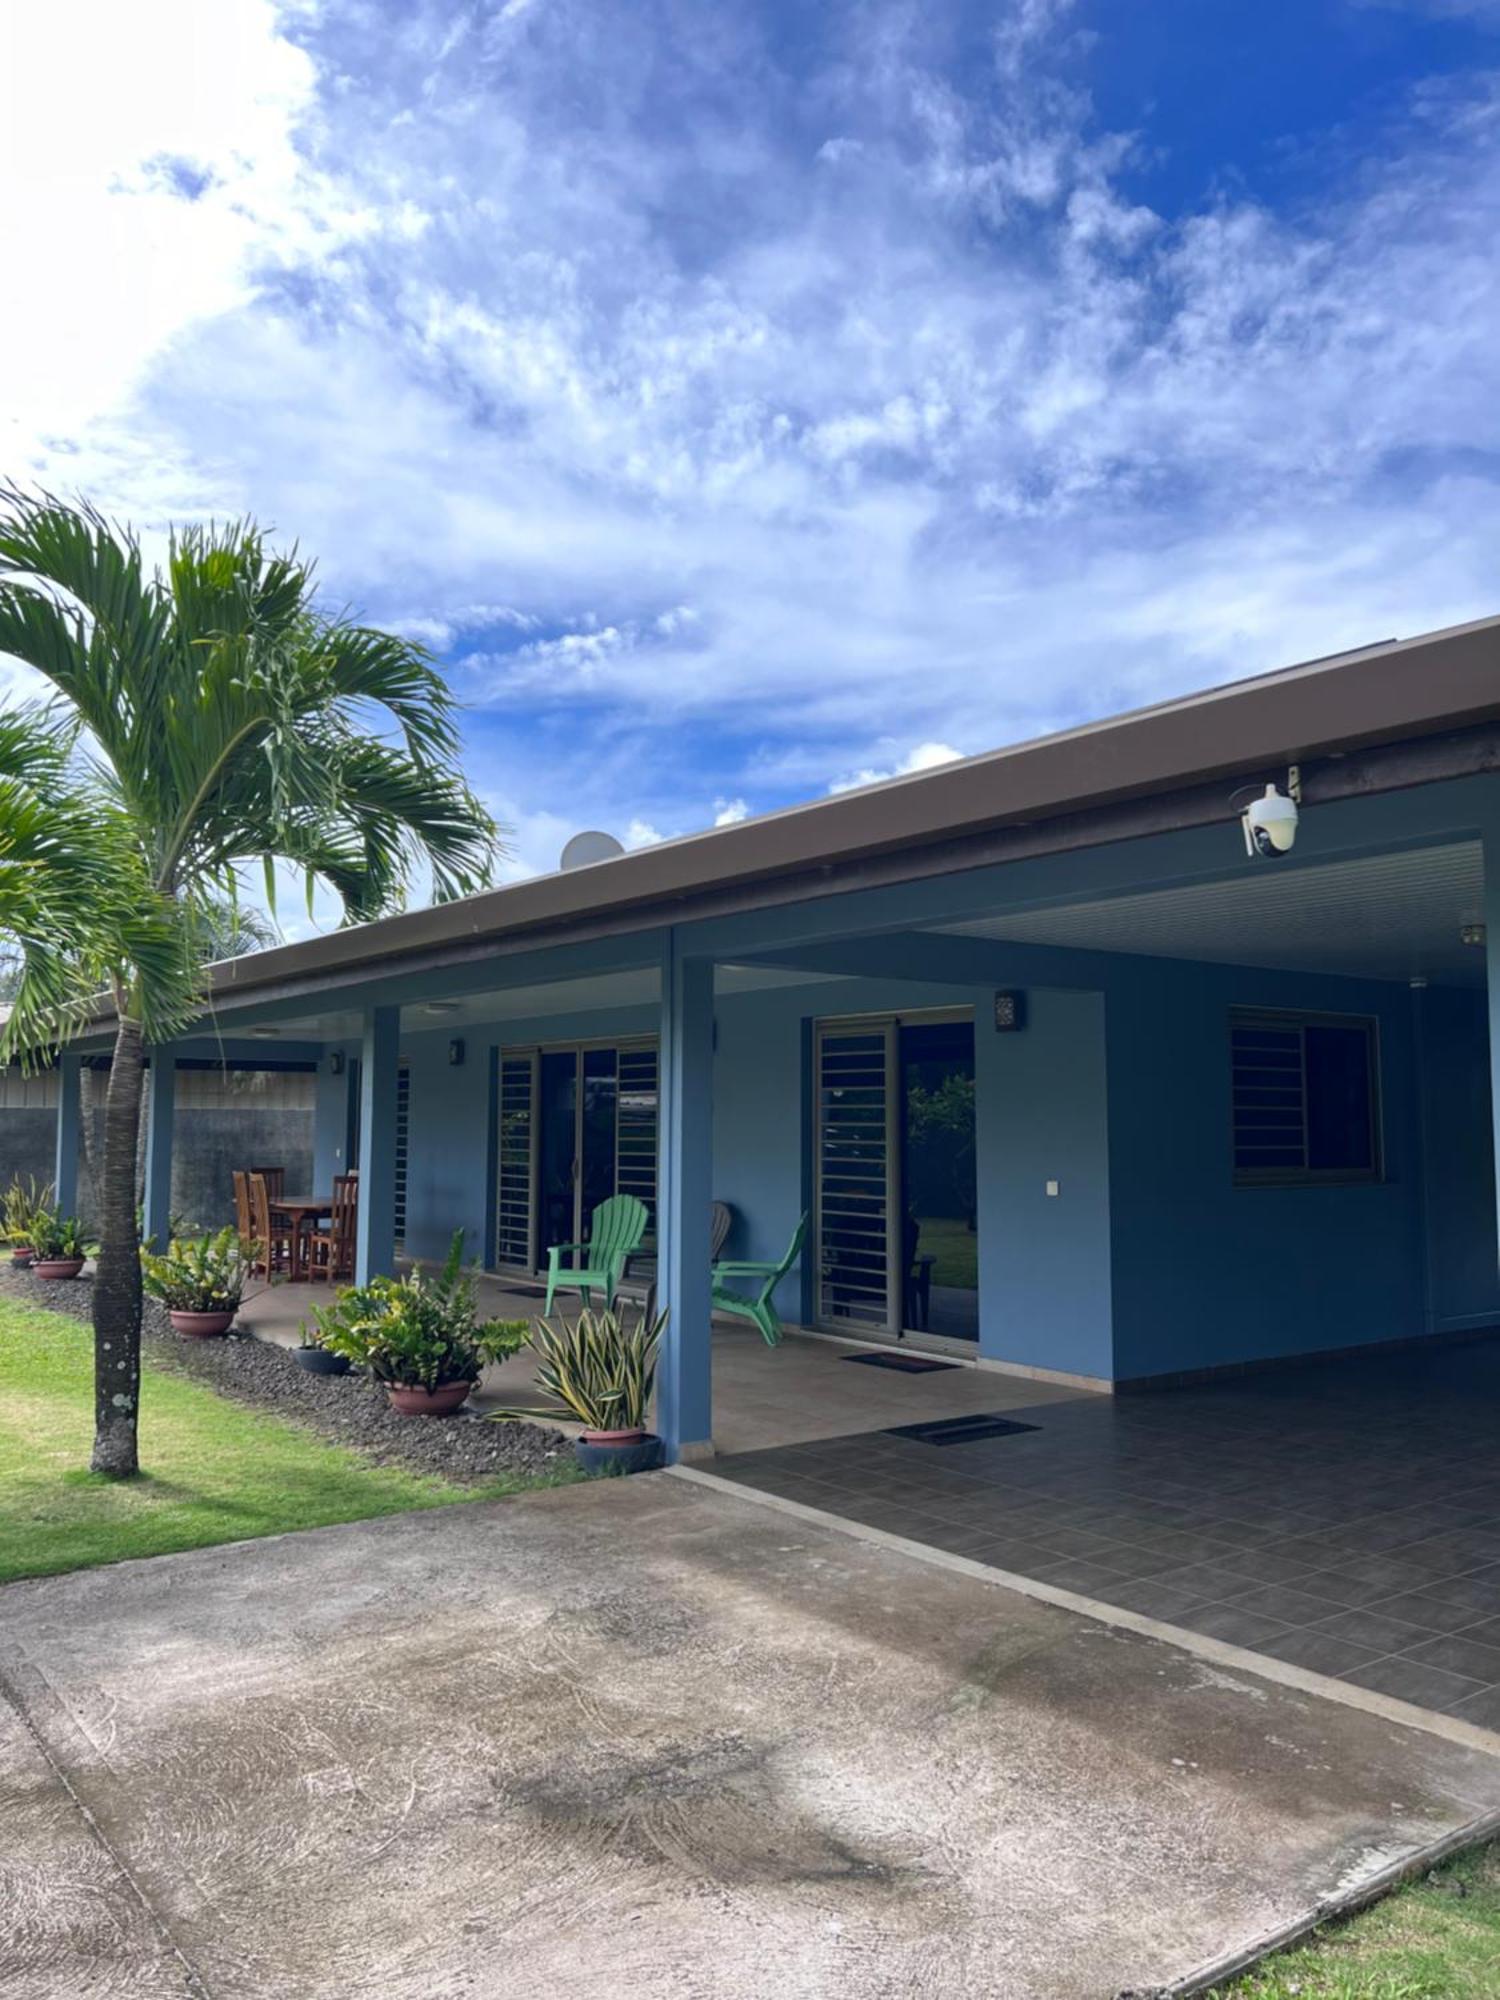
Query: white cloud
x: 147, y: 157
x: 729, y: 812
x: 922, y: 757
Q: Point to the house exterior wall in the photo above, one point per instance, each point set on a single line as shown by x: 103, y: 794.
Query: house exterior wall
x: 1208, y: 1273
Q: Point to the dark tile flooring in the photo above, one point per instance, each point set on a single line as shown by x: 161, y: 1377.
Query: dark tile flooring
x: 1344, y: 1516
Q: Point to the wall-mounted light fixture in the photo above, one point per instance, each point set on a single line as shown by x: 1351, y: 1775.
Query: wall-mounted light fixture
x: 456, y: 1051
x: 1474, y: 934
x: 336, y: 1063
x: 1010, y: 1012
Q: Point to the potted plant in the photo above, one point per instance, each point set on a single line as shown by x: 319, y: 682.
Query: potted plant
x: 600, y: 1370
x: 311, y: 1354
x: 200, y: 1281
x: 23, y: 1202
x: 58, y: 1247
x: 420, y: 1336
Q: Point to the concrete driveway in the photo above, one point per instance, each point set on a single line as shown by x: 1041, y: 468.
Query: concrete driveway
x: 647, y: 1737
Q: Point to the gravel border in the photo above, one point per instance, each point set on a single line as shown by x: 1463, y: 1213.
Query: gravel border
x: 343, y: 1408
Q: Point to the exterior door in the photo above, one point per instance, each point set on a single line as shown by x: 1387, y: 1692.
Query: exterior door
x: 855, y: 1175
x: 897, y: 1239
x: 574, y: 1125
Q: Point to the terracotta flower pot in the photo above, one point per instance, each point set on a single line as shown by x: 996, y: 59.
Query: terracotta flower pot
x: 21, y: 1258
x: 439, y: 1402
x: 58, y: 1267
x: 202, y: 1326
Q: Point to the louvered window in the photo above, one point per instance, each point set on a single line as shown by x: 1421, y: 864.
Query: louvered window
x: 1305, y: 1098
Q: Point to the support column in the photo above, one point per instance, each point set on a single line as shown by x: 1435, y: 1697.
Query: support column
x: 1491, y: 843
x: 161, y: 1104
x: 375, y: 1249
x: 684, y: 1390
x: 69, y: 1130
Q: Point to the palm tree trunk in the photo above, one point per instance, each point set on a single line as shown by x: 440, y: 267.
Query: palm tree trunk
x: 117, y: 1288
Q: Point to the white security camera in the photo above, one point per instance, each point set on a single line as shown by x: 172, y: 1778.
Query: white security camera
x: 1270, y: 825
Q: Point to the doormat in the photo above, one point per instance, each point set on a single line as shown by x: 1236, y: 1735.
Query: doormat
x: 960, y: 1430
x: 904, y: 1364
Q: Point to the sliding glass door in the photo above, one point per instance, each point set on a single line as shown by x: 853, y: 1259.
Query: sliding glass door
x: 575, y: 1125
x: 896, y: 1210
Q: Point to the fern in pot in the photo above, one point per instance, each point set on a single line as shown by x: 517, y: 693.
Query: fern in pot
x: 200, y: 1280
x: 420, y: 1336
x: 600, y: 1370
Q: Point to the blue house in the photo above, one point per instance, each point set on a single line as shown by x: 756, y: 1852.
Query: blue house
x: 1066, y: 1078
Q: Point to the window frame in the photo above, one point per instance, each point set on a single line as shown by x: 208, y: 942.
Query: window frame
x: 1303, y: 1018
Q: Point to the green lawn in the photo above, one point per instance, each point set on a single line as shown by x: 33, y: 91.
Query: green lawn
x: 216, y: 1471
x: 956, y: 1248
x: 1438, y: 1939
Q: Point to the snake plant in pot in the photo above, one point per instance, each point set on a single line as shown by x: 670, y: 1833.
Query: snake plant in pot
x: 600, y: 1370
x: 22, y: 1203
x: 421, y: 1336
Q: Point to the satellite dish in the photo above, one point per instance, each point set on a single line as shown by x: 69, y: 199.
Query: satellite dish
x: 584, y: 849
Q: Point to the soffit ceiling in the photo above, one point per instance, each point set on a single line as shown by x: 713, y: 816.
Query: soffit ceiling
x: 609, y: 992
x: 1387, y: 916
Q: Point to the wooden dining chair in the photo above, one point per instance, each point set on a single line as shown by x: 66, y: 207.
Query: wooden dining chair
x: 244, y: 1222
x: 274, y: 1178
x: 331, y: 1250
x: 271, y: 1233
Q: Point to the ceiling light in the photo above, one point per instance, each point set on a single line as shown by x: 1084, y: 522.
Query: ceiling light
x: 440, y: 1007
x: 265, y: 1034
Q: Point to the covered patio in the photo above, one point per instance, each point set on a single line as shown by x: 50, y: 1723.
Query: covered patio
x: 806, y: 1391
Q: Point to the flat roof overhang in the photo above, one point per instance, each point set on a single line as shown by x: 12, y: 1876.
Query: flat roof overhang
x: 1383, y: 718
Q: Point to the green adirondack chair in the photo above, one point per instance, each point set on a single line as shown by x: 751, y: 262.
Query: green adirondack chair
x: 615, y: 1230
x: 757, y: 1305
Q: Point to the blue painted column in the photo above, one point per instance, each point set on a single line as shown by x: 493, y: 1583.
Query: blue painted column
x: 375, y: 1249
x: 684, y: 1385
x: 69, y: 1126
x: 1491, y: 842
x: 161, y: 1105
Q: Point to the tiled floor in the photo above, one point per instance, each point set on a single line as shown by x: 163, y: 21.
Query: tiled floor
x: 762, y: 1398
x: 1345, y: 1517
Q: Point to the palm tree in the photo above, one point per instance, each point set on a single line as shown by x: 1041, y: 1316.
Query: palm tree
x: 202, y: 717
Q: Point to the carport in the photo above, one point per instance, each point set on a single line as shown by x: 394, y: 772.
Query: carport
x: 1341, y: 1516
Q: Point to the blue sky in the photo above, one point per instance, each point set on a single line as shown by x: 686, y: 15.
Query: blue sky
x: 744, y: 401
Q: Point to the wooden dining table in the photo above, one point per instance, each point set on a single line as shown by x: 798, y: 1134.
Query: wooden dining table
x: 301, y: 1211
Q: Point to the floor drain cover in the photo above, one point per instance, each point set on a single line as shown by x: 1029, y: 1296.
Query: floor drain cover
x: 904, y: 1364
x: 960, y: 1430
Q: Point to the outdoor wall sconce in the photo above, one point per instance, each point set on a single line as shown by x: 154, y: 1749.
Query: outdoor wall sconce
x: 455, y: 1052
x: 1010, y: 1013
x: 1473, y: 934
x: 336, y: 1063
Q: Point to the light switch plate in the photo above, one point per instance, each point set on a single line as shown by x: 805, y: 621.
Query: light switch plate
x: 1054, y: 1187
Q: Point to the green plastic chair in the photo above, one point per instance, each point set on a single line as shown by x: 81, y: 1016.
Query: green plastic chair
x: 757, y: 1307
x: 615, y: 1230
